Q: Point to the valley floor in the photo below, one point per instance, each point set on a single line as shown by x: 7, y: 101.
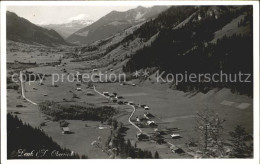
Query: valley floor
x: 172, y: 110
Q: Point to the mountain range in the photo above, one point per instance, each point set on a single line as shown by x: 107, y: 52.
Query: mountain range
x: 70, y: 27
x: 113, y: 23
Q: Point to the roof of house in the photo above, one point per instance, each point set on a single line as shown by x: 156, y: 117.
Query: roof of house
x: 150, y: 122
x: 175, y: 135
x: 67, y: 129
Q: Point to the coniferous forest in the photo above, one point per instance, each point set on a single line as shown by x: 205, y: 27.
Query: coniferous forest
x: 190, y: 47
x: 26, y: 142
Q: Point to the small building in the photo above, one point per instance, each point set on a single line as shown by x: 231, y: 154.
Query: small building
x: 119, y: 97
x: 78, y: 89
x: 137, y: 119
x: 114, y: 100
x: 89, y: 94
x: 140, y: 136
x: 112, y: 96
x: 120, y: 102
x: 146, y: 108
x: 130, y: 103
x: 148, y: 115
x: 142, y: 106
x: 65, y: 130
x: 160, y: 141
x: 176, y: 149
x: 114, y: 93
x: 106, y: 93
x: 151, y: 123
x: 175, y: 136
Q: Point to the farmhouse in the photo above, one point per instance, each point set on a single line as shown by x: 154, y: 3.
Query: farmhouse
x: 65, y: 130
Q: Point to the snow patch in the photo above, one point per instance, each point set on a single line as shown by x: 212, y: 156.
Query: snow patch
x: 139, y: 16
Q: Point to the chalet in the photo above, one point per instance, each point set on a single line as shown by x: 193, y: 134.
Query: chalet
x: 151, y: 123
x: 114, y: 93
x: 120, y: 102
x: 140, y: 136
x: 160, y: 141
x: 130, y: 103
x: 113, y: 100
x: 148, y: 115
x: 119, y: 97
x: 175, y: 136
x: 65, y: 130
x: 176, y: 149
x: 106, y: 93
x: 112, y: 96
x: 89, y: 93
x: 142, y: 106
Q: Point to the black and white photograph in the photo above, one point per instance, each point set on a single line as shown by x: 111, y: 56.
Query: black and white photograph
x: 130, y: 81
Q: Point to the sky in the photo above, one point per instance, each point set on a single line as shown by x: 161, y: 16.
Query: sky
x: 61, y: 14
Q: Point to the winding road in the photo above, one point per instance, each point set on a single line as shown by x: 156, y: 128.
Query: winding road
x: 129, y: 119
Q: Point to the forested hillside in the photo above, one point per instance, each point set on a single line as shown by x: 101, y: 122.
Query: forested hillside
x: 184, y: 44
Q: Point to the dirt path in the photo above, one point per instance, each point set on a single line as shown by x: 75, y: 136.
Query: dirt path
x: 129, y: 119
x: 23, y: 95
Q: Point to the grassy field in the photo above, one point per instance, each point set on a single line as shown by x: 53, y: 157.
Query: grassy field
x: 171, y: 108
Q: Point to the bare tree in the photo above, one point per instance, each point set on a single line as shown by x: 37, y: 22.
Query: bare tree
x: 210, y: 127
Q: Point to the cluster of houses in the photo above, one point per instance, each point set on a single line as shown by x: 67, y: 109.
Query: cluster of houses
x: 145, y: 121
x: 115, y: 98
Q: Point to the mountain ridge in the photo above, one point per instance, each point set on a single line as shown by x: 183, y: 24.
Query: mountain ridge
x: 22, y: 30
x: 112, y: 23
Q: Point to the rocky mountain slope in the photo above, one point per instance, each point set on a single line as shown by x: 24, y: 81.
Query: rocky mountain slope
x: 112, y: 23
x: 22, y: 30
x: 68, y: 28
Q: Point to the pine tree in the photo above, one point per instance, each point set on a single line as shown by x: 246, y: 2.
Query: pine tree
x: 241, y: 143
x: 156, y: 155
